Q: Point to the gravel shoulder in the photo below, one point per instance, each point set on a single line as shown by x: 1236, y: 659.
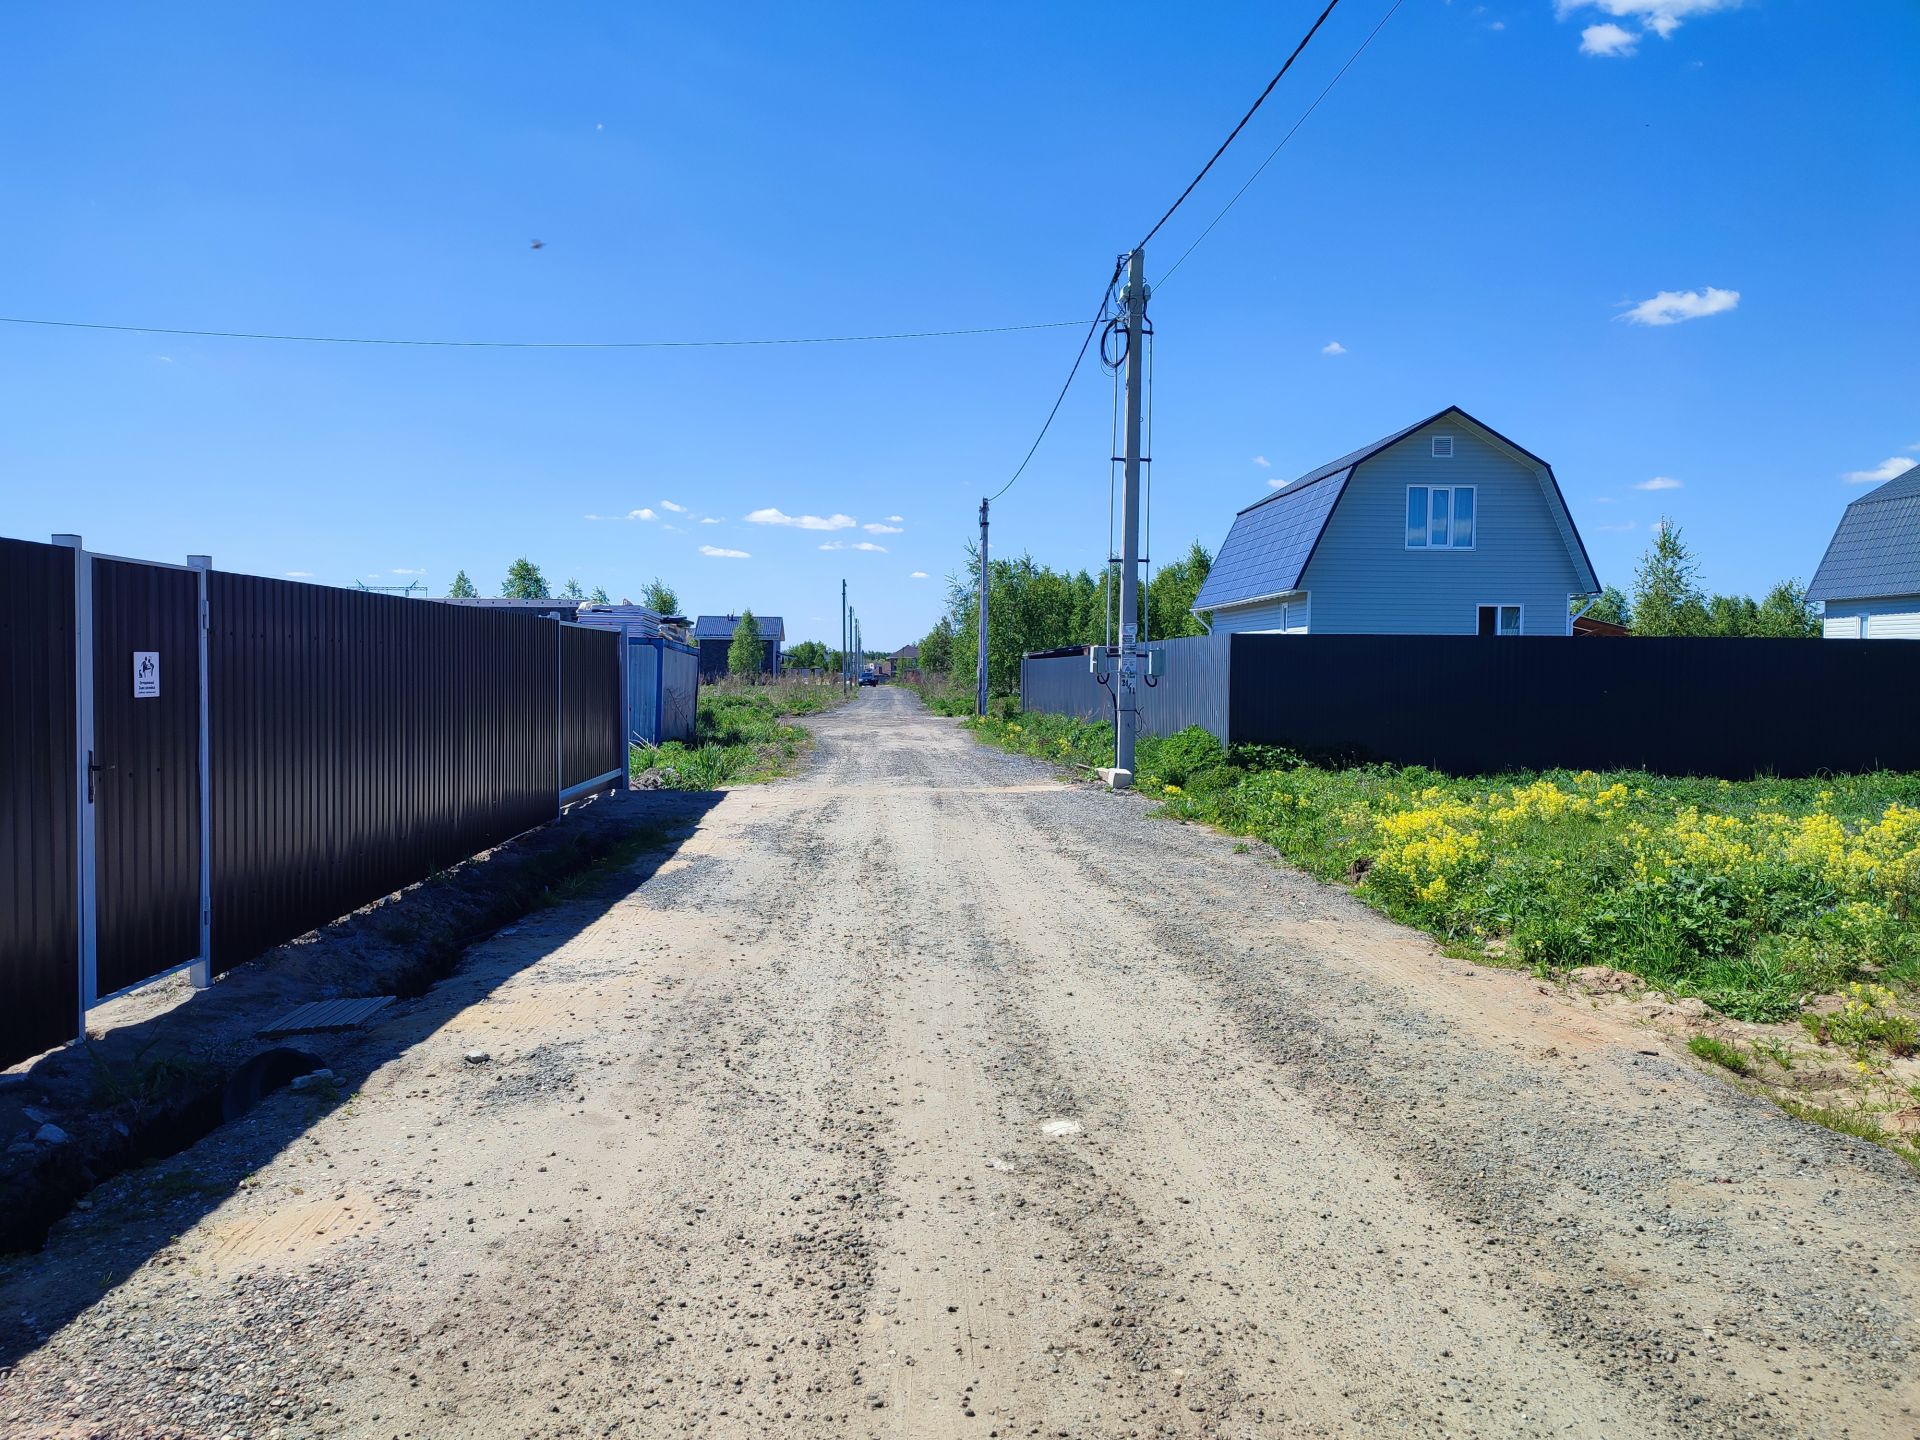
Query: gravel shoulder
x: 922, y: 1094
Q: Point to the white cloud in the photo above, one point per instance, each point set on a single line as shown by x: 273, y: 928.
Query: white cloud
x: 308, y: 575
x: 833, y: 545
x: 918, y: 575
x: 1608, y: 41
x: 1658, y: 482
x: 1662, y: 17
x: 1496, y: 25
x: 1670, y: 307
x: 643, y: 513
x: 869, y: 545
x: 720, y: 554
x: 875, y: 528
x: 168, y: 360
x: 1333, y: 347
x: 1262, y: 461
x: 676, y: 509
x: 1914, y: 447
x: 714, y: 520
x: 1890, y: 468
x: 404, y: 571
x: 901, y: 519
x: 771, y: 516
x: 1275, y: 483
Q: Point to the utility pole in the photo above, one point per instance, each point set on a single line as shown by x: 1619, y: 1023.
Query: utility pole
x: 1127, y: 713
x: 980, y: 683
x: 843, y: 634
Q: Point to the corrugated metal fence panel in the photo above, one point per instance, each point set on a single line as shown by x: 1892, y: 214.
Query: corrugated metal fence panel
x: 39, y: 928
x: 1470, y: 705
x: 147, y: 786
x: 1193, y: 691
x: 643, y: 690
x: 361, y: 742
x: 592, y: 742
x: 679, y: 691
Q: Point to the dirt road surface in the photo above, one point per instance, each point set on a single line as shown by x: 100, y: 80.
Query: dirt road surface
x: 923, y: 1095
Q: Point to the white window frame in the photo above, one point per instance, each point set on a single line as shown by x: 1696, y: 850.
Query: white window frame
x: 1452, y: 490
x: 1497, y: 606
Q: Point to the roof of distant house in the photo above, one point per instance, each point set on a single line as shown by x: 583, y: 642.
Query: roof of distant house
x: 1267, y: 550
x: 721, y: 627
x: 1875, y: 550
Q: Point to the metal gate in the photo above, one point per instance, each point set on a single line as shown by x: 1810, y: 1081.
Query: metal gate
x: 142, y: 731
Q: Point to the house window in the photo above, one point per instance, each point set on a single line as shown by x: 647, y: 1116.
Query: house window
x: 1440, y: 517
x: 1499, y: 619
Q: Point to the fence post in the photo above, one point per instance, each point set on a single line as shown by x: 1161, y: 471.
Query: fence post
x: 623, y: 754
x: 200, y: 973
x: 87, y: 961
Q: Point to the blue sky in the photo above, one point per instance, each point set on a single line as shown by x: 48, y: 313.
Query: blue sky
x: 1471, y: 217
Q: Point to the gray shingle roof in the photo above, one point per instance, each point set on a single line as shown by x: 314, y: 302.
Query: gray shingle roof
x: 1876, y: 549
x: 1267, y: 550
x: 721, y: 627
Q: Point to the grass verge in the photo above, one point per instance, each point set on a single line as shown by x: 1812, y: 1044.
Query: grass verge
x: 738, y: 736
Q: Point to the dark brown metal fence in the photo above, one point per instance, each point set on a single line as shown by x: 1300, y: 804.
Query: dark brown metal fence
x: 361, y: 742
x: 1470, y: 706
x: 39, y: 877
x: 592, y: 732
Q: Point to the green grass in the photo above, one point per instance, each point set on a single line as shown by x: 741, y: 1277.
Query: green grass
x: 738, y: 736
x: 1719, y: 1052
x: 1752, y: 896
x: 1858, y: 1123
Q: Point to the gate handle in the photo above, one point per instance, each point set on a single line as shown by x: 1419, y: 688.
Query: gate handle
x: 94, y: 767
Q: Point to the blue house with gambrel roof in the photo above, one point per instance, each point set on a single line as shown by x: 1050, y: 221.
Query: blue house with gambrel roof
x: 1444, y: 528
x: 1869, y: 579
x: 713, y: 634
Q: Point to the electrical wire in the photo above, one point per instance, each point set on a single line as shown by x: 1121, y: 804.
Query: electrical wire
x: 1304, y: 115
x: 1311, y: 31
x: 539, y: 344
x: 1098, y: 315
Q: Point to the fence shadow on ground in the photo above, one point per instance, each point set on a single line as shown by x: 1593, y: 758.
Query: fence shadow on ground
x: 131, y: 1219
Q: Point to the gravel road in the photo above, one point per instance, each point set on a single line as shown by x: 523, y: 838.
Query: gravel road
x: 923, y: 1095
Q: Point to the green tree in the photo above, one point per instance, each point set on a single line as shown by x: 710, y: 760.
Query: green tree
x: 659, y: 597
x: 746, y: 654
x: 936, y: 648
x: 1171, y: 593
x: 571, y: 590
x: 1786, y: 613
x: 811, y: 654
x: 1666, y: 588
x: 1732, y: 616
x: 599, y: 596
x: 1612, y: 607
x: 462, y: 588
x: 524, y: 581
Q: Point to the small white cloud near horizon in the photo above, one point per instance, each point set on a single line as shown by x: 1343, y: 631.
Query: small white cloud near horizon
x: 1262, y: 462
x: 1891, y: 468
x: 1658, y: 482
x: 833, y: 545
x: 876, y: 528
x: 1333, y: 347
x: 1670, y: 307
x: 1608, y: 41
x: 298, y: 574
x: 713, y: 520
x: 164, y: 359
x: 901, y: 519
x: 643, y: 513
x: 772, y: 516
x: 918, y: 575
x: 718, y: 553
x: 676, y: 509
x: 401, y: 570
x: 868, y: 545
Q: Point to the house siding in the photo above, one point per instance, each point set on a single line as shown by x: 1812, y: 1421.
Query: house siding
x: 1365, y: 581
x: 1286, y: 612
x: 1893, y: 619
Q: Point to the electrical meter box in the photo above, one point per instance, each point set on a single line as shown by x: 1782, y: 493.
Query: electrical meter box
x: 1156, y: 662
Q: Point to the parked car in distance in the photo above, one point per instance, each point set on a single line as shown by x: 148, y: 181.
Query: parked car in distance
x: 869, y: 677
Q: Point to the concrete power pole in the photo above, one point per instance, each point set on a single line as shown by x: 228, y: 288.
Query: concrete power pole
x: 1127, y: 713
x: 980, y: 682
x: 843, y: 634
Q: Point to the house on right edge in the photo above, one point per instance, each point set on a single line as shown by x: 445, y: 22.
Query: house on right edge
x: 1869, y: 579
x: 1444, y: 528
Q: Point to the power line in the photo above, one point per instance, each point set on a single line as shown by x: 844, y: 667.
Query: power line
x: 1312, y: 30
x: 539, y: 344
x: 1304, y: 116
x: 1085, y: 341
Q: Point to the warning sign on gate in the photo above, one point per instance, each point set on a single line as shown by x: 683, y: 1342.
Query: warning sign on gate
x: 146, y: 674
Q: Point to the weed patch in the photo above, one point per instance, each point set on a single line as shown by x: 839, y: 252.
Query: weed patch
x: 738, y: 737
x: 1719, y: 1052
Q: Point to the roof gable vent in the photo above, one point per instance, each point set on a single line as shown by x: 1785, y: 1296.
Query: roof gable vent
x: 1443, y: 447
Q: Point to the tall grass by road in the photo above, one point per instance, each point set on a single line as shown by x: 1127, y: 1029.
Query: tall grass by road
x: 1752, y: 896
x: 738, y: 737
